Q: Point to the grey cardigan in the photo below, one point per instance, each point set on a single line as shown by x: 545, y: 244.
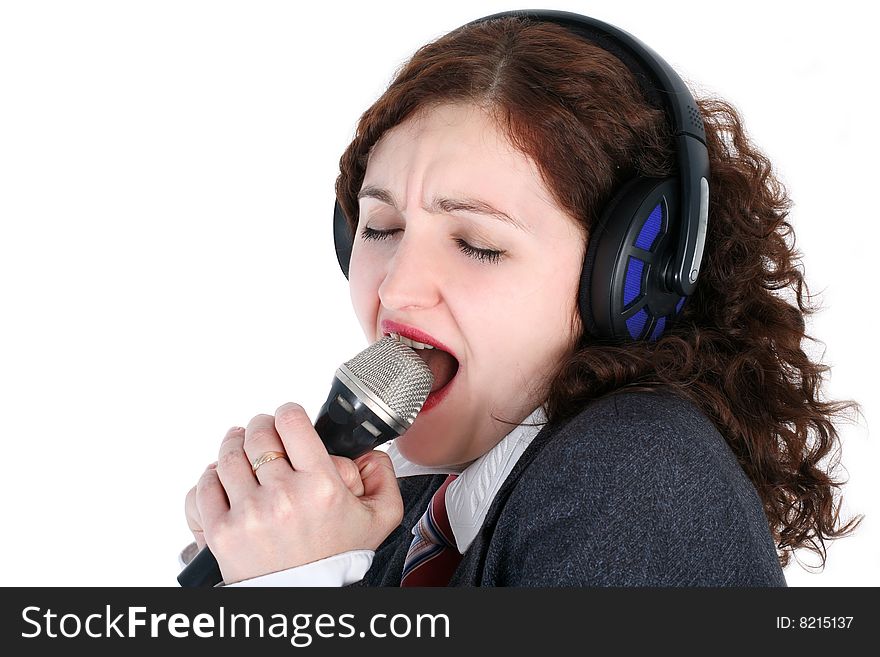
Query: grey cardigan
x: 639, y: 489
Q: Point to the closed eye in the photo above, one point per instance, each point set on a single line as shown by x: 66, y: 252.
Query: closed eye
x: 483, y: 255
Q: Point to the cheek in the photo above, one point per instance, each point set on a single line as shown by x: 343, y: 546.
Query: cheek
x: 526, y: 321
x: 364, y: 277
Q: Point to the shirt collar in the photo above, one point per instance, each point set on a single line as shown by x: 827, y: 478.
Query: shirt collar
x: 469, y: 497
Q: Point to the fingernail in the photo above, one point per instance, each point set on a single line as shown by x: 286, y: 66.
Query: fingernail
x: 234, y: 429
x: 212, y: 466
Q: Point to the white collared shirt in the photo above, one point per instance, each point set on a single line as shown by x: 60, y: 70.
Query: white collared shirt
x: 470, y: 495
x: 468, y: 499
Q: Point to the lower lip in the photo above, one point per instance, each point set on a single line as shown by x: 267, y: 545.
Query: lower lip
x: 439, y: 395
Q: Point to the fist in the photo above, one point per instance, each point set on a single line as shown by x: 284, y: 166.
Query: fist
x: 294, y: 510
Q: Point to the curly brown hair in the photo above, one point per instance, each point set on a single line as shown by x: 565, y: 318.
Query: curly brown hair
x: 736, y: 351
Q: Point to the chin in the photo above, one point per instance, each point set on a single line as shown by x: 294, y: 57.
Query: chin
x: 416, y: 450
x: 422, y: 449
x: 439, y: 437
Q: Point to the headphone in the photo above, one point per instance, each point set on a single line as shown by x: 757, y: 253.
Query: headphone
x: 643, y: 257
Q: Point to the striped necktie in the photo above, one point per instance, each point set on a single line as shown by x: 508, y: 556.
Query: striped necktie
x: 433, y: 555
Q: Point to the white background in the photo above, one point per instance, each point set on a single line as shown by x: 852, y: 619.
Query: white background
x: 167, y: 268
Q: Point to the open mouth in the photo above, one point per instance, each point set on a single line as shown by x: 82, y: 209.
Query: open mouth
x: 443, y: 379
x: 443, y: 365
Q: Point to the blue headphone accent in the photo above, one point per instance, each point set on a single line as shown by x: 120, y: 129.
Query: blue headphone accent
x: 644, y: 254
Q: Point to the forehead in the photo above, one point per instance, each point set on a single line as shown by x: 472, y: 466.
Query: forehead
x: 453, y: 145
x: 457, y: 151
x: 450, y: 130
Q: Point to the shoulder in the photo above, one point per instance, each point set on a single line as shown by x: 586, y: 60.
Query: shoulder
x: 639, y: 438
x: 640, y: 488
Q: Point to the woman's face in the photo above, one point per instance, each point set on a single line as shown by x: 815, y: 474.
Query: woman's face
x: 506, y: 318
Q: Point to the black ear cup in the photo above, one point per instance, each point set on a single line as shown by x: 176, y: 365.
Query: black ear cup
x: 343, y: 238
x: 623, y: 294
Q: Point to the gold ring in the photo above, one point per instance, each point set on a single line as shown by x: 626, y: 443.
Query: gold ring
x: 265, y: 458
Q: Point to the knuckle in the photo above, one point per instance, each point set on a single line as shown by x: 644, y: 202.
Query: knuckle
x: 372, y: 461
x: 252, y: 519
x: 268, y: 517
x: 381, y: 459
x: 283, y: 508
x: 230, y: 530
x: 346, y: 468
x: 250, y: 505
x: 325, y: 492
x: 223, y: 537
x: 375, y: 457
x: 261, y: 435
x: 226, y: 460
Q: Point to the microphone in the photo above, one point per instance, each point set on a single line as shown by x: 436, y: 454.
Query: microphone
x: 374, y: 397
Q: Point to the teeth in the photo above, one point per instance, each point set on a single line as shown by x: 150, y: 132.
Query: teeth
x: 410, y: 343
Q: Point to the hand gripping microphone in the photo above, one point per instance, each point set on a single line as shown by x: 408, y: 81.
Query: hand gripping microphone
x: 374, y: 397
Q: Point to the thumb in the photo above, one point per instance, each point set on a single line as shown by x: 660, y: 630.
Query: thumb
x: 381, y: 490
x: 350, y: 474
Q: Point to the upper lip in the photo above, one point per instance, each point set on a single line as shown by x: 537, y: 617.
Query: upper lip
x: 390, y: 326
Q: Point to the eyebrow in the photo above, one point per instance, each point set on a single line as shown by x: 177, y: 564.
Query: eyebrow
x: 446, y: 204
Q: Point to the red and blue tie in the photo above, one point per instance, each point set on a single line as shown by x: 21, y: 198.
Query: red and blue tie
x: 433, y: 555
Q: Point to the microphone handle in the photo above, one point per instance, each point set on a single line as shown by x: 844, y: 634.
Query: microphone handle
x: 202, y: 572
x: 347, y: 426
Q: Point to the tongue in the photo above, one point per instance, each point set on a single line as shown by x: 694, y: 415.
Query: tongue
x: 442, y: 365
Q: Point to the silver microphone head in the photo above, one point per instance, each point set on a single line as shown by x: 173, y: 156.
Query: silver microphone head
x: 395, y: 376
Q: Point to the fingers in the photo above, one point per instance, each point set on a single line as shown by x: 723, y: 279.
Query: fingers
x: 194, y: 519
x: 381, y: 490
x: 261, y: 437
x: 233, y: 467
x: 349, y: 473
x: 302, y: 443
x: 289, y: 432
x: 210, y: 498
x: 308, y: 516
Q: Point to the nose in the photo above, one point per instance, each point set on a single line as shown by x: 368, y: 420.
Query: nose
x: 411, y: 279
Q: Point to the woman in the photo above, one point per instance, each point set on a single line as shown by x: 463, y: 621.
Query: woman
x: 473, y: 187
